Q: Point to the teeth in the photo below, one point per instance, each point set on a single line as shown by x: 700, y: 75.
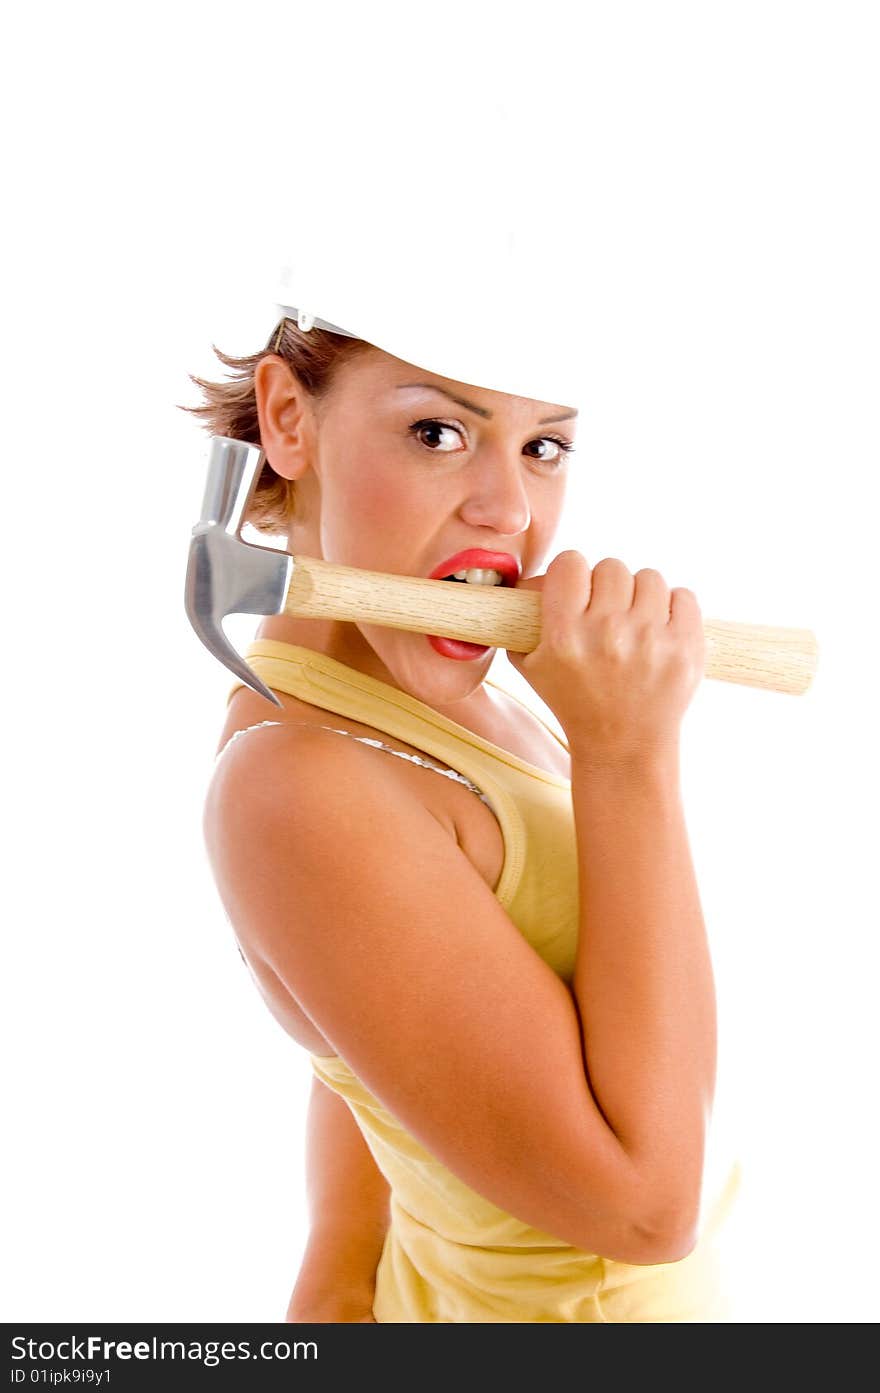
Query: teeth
x: 480, y: 577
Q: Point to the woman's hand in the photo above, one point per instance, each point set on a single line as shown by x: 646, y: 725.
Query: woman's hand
x: 619, y: 657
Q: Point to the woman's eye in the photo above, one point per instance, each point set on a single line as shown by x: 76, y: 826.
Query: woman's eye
x: 420, y: 428
x: 559, y: 448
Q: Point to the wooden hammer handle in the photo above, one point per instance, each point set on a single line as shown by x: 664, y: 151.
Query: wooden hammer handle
x: 753, y: 655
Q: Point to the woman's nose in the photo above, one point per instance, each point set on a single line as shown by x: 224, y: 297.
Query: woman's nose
x: 497, y: 497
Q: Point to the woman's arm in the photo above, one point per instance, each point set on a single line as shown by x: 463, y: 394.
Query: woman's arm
x: 416, y: 975
x: 348, y: 1216
x: 643, y: 978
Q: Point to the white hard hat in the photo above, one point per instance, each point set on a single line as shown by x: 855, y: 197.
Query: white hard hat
x: 482, y: 303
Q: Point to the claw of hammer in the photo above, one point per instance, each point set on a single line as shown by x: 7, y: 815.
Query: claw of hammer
x: 226, y: 575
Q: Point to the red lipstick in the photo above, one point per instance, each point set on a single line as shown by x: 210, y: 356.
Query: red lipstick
x: 474, y: 558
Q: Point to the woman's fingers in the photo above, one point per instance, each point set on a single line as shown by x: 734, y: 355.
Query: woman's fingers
x: 612, y: 587
x: 652, y: 596
x: 565, y: 595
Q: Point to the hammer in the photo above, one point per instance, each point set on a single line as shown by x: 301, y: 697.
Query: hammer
x: 227, y: 575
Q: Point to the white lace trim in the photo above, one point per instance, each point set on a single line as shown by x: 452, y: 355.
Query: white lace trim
x: 379, y: 745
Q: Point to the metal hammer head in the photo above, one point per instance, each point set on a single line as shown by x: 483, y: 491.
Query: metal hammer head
x: 226, y: 575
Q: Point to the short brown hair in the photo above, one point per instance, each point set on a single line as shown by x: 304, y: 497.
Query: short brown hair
x: 230, y: 408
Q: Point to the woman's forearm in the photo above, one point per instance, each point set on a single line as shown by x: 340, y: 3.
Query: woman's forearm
x: 643, y: 979
x: 348, y: 1204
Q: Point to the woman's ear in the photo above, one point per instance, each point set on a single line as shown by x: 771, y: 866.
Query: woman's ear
x: 286, y: 417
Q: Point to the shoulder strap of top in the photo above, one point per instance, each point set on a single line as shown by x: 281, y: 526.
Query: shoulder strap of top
x: 316, y: 678
x: 365, y: 740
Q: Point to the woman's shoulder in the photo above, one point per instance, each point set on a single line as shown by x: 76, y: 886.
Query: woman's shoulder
x: 257, y: 768
x: 255, y: 775
x: 465, y: 817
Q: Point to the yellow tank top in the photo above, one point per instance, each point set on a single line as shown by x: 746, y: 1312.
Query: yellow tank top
x: 450, y: 1255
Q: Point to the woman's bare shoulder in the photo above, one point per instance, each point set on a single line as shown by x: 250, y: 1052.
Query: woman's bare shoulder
x: 234, y: 810
x: 249, y: 760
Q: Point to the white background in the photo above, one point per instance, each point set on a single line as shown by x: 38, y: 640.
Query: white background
x: 721, y: 160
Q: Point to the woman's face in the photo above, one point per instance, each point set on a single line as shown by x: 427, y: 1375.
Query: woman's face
x: 399, y: 470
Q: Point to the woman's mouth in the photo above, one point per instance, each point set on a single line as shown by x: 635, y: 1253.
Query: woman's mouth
x: 472, y: 567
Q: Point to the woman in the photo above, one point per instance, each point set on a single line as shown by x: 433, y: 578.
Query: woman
x: 501, y: 976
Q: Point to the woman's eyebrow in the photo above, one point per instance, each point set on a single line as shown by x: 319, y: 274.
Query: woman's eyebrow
x: 471, y: 406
